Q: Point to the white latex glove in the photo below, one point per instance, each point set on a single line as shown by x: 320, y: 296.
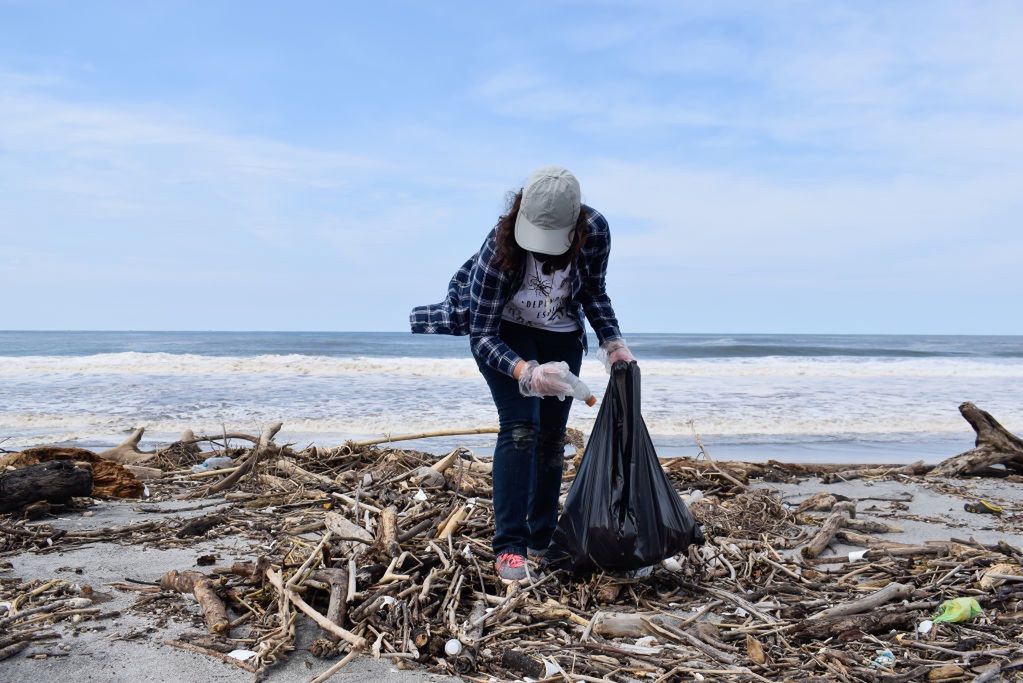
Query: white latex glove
x: 613, y: 351
x: 549, y: 379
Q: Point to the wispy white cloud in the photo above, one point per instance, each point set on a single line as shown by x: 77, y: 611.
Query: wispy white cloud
x: 903, y: 83
x: 743, y: 219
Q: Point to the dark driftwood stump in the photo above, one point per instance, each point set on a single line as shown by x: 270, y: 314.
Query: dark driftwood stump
x: 55, y: 481
x: 995, y: 445
x: 851, y: 627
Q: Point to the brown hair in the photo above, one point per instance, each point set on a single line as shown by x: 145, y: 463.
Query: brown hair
x: 510, y: 256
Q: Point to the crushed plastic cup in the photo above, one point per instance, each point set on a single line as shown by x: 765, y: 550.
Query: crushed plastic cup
x: 219, y: 462
x: 885, y: 658
x: 551, y: 668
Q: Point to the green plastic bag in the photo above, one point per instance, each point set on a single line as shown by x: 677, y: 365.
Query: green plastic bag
x: 960, y: 609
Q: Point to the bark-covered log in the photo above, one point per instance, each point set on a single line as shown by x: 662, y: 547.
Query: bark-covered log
x: 109, y: 479
x: 824, y: 535
x: 198, y: 526
x: 871, y: 526
x: 819, y: 502
x: 521, y: 663
x: 851, y: 627
x: 995, y: 445
x: 55, y: 481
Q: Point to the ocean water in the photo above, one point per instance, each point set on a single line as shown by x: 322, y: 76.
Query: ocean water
x: 795, y: 397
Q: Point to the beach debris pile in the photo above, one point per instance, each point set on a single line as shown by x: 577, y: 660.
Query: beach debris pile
x: 29, y: 609
x: 386, y: 552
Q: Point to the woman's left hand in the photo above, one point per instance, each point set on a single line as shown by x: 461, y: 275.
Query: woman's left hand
x: 614, y: 351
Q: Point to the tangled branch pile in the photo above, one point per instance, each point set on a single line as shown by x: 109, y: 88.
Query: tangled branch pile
x: 387, y: 552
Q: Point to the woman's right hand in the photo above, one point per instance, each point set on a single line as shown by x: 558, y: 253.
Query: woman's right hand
x: 549, y: 379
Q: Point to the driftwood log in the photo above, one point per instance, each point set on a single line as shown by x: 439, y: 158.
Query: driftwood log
x: 388, y: 532
x: 198, y: 526
x: 632, y: 624
x: 520, y: 662
x: 55, y: 481
x: 472, y: 631
x: 824, y: 535
x: 851, y: 627
x: 356, y: 641
x: 247, y: 465
x: 109, y: 479
x: 872, y: 526
x: 337, y: 581
x: 127, y: 452
x: 912, y: 469
x: 995, y: 445
x: 820, y: 502
x: 200, y: 585
x: 891, y: 592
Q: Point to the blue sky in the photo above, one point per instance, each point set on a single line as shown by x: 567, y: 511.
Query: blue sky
x: 765, y: 167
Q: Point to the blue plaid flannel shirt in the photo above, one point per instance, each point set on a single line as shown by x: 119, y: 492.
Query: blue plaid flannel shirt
x: 478, y: 291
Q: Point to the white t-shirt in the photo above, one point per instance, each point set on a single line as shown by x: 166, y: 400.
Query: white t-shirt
x: 542, y: 300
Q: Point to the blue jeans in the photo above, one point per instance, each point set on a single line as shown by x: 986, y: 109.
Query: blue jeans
x: 530, y: 452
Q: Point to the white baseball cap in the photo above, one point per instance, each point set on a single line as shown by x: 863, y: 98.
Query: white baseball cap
x: 550, y: 206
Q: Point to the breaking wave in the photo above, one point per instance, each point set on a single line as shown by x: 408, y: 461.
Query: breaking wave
x: 129, y: 363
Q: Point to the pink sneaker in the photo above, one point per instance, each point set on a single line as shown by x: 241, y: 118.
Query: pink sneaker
x: 511, y: 567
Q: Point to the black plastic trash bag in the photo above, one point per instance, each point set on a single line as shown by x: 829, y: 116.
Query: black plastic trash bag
x: 622, y: 512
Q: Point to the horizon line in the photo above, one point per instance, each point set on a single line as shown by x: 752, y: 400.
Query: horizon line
x: 589, y: 332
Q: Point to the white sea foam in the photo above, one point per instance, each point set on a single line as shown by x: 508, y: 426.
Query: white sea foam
x: 99, y: 398
x: 327, y: 366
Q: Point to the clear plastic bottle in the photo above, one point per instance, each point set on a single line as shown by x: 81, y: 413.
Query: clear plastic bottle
x: 581, y: 391
x: 213, y: 463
